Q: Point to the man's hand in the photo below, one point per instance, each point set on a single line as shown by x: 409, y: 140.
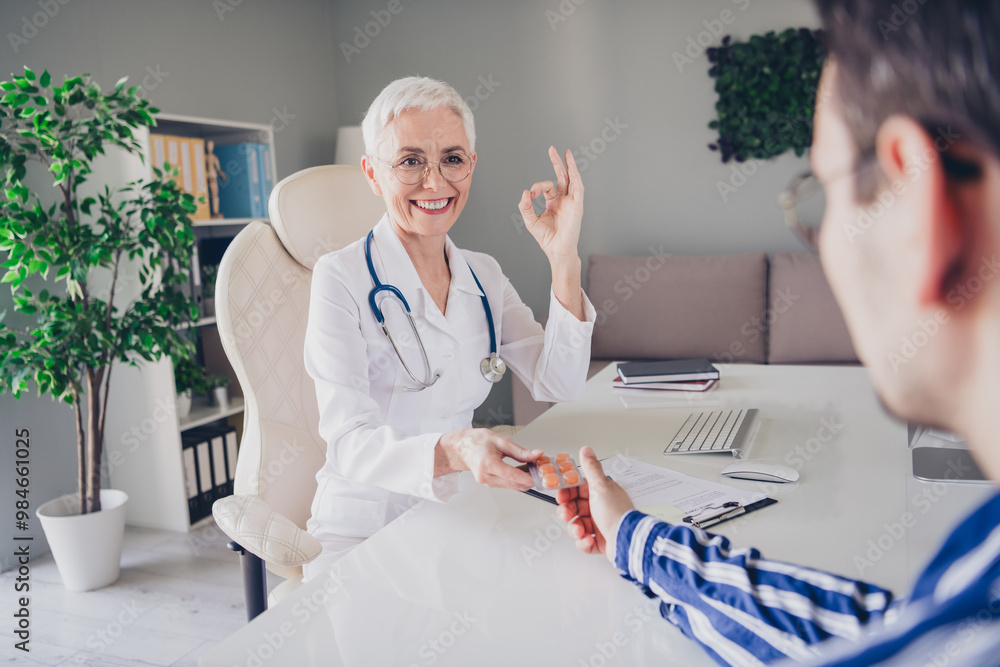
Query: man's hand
x: 482, y: 451
x: 593, y: 509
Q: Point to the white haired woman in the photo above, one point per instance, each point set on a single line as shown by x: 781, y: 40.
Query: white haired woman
x: 407, y: 333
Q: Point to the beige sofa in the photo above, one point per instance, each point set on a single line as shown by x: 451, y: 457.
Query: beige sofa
x: 748, y: 307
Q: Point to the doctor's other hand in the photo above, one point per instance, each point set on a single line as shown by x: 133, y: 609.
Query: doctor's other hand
x: 598, y: 506
x: 482, y: 451
x: 557, y: 229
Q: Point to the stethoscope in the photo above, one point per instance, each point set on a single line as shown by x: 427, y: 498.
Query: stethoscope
x: 492, y: 367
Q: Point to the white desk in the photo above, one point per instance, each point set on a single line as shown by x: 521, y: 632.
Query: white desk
x: 491, y: 578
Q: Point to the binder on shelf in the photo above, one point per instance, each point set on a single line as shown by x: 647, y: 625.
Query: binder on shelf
x: 205, y: 488
x: 200, y: 191
x: 220, y: 483
x: 191, y: 478
x: 187, y: 155
x: 231, y: 450
x: 240, y: 193
x: 195, y: 278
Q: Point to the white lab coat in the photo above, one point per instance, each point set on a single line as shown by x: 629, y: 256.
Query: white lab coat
x: 380, y: 439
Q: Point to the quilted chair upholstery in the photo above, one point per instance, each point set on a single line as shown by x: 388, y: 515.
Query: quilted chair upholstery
x: 262, y: 302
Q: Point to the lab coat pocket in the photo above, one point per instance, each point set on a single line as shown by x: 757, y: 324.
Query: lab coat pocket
x: 352, y: 517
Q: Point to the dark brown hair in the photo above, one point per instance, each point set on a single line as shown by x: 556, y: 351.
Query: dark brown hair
x: 937, y: 61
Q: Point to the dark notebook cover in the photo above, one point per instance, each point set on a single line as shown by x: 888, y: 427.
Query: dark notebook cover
x: 675, y: 370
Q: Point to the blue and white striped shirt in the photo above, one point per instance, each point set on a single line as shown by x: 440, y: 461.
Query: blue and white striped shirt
x: 746, y: 610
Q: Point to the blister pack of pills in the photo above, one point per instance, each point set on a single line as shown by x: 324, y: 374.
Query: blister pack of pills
x: 551, y: 474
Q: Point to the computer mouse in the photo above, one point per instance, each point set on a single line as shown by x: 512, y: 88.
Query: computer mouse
x: 761, y: 471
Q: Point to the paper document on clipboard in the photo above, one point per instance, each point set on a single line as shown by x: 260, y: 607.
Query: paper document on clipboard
x: 676, y: 497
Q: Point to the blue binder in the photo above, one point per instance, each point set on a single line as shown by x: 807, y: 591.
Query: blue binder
x: 240, y: 193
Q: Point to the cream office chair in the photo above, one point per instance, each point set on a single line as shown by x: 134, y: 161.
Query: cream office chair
x: 262, y: 303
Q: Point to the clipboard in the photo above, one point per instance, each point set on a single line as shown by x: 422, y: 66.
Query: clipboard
x: 712, y: 516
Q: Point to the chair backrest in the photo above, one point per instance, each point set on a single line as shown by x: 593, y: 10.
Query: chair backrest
x: 262, y: 306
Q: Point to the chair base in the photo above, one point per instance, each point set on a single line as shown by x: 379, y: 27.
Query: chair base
x: 254, y: 581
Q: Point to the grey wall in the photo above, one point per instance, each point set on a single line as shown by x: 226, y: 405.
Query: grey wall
x: 261, y: 62
x: 559, y: 71
x: 551, y: 81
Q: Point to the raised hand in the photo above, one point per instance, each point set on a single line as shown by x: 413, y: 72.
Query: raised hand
x: 557, y: 229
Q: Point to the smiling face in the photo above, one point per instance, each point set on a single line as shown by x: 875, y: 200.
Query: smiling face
x: 431, y: 207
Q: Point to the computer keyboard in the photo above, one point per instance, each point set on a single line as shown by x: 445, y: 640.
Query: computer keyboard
x: 717, y: 431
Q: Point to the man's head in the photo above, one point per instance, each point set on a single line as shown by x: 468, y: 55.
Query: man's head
x: 906, y: 143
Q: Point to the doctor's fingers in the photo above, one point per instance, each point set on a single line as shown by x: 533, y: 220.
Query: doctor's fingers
x: 546, y: 188
x: 562, y: 176
x: 502, y: 476
x: 507, y: 447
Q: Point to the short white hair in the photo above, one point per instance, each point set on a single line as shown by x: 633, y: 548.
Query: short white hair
x: 413, y: 92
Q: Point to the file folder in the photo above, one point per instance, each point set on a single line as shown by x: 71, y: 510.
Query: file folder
x: 240, y: 193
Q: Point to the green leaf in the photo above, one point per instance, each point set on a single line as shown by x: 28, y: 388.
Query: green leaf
x: 28, y: 74
x: 44, y: 81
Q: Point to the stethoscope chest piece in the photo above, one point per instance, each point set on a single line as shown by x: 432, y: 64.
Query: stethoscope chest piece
x: 493, y: 368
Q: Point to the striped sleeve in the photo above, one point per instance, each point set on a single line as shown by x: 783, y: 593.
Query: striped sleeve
x: 743, y: 609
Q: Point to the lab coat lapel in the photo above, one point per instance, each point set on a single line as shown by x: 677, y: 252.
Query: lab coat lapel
x: 396, y: 268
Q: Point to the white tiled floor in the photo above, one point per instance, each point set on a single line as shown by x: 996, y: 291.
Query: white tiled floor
x: 178, y: 595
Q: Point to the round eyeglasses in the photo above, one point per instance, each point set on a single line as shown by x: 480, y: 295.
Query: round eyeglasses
x: 803, y: 201
x: 799, y: 202
x: 412, y: 169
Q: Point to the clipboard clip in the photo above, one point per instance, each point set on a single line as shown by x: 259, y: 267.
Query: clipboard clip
x: 724, y: 513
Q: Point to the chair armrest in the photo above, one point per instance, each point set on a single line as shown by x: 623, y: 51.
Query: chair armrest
x: 259, y: 529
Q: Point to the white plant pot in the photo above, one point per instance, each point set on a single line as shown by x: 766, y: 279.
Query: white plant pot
x: 183, y: 404
x: 87, y: 548
x: 221, y: 396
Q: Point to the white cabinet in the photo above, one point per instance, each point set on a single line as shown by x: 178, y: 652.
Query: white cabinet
x: 143, y: 433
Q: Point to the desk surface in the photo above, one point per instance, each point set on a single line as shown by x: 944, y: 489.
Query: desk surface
x: 491, y: 578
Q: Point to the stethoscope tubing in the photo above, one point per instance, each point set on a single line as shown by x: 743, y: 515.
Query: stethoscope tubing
x: 491, y: 367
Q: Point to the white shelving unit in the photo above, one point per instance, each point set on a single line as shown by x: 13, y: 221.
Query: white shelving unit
x: 143, y: 434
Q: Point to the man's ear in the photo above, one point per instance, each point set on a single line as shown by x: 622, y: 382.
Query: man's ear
x: 913, y: 169
x: 368, y: 166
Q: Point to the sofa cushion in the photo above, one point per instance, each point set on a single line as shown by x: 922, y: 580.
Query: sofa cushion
x: 661, y: 307
x: 804, y: 322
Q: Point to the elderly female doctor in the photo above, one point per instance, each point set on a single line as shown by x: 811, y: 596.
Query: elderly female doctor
x: 396, y: 404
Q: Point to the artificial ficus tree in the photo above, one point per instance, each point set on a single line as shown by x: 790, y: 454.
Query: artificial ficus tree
x: 74, y: 333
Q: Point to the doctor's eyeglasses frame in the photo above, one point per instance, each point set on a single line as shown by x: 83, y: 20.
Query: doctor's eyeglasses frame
x: 407, y: 174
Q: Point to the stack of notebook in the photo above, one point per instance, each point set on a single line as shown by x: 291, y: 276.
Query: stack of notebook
x: 675, y: 375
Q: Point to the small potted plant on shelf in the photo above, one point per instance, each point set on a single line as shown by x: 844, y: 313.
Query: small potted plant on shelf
x: 209, y: 273
x: 189, y: 379
x: 104, y: 273
x: 219, y: 384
